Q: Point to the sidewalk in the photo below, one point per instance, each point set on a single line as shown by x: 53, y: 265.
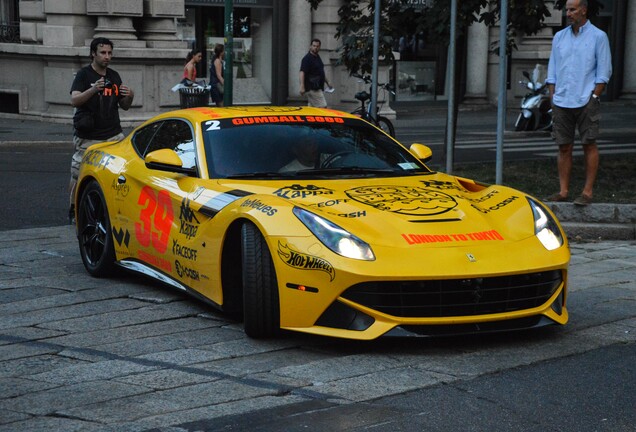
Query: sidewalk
x: 119, y: 354
x: 599, y: 221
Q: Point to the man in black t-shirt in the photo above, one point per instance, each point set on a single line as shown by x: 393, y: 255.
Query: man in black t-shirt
x: 312, y: 77
x: 97, y: 93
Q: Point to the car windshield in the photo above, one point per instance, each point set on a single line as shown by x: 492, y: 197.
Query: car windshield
x: 275, y: 147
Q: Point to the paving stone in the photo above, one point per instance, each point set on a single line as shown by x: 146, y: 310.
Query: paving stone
x: 12, y: 387
x: 15, y: 295
x: 20, y: 350
x: 379, y: 384
x: 186, y: 339
x: 9, y: 417
x: 167, y: 378
x: 26, y: 366
x: 14, y: 335
x: 66, y: 397
x: 132, y: 332
x: 44, y: 301
x: 264, y: 361
x: 48, y: 424
x: 169, y: 401
x: 333, y: 369
x: 126, y: 312
x: 69, y: 318
x: 82, y: 373
x: 189, y: 420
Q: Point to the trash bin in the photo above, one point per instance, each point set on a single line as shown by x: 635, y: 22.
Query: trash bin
x: 191, y: 97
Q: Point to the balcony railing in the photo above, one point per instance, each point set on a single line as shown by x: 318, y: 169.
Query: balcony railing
x: 10, y: 33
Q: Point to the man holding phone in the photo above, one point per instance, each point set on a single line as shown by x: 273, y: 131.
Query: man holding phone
x: 97, y: 93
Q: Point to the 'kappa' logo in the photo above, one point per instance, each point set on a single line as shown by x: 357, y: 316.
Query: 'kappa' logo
x: 302, y: 191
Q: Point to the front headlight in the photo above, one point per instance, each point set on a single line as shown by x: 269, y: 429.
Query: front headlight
x: 335, y: 238
x: 545, y: 227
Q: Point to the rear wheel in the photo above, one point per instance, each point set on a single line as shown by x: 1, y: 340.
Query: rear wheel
x: 94, y: 232
x: 261, y: 311
x: 386, y: 125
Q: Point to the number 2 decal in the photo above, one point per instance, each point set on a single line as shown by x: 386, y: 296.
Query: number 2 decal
x: 160, y: 207
x: 213, y: 125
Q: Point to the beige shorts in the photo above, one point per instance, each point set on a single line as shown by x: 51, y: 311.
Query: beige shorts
x: 316, y: 98
x: 567, y: 120
x: 81, y: 145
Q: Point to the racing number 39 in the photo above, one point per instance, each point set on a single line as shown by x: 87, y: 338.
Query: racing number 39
x: 160, y: 207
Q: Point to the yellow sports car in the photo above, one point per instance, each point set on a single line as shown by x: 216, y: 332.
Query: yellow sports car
x: 313, y: 220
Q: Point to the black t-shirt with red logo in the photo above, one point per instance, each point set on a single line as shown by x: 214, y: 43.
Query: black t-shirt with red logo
x: 104, y: 106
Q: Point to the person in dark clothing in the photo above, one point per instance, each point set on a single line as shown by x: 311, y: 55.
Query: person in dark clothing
x: 312, y: 77
x: 216, y: 75
x: 97, y: 93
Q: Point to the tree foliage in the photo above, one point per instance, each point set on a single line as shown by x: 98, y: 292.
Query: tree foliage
x: 399, y: 18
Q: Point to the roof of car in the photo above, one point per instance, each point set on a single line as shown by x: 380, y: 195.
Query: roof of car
x: 210, y: 113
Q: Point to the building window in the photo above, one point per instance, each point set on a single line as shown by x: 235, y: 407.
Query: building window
x: 9, y: 21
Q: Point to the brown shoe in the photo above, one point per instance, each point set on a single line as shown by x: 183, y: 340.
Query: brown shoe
x: 583, y: 200
x: 557, y: 197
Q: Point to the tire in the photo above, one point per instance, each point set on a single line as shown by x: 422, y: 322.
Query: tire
x: 261, y: 310
x: 386, y: 125
x: 94, y: 232
x: 522, y: 123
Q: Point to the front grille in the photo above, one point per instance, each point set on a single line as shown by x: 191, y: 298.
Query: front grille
x: 457, y: 297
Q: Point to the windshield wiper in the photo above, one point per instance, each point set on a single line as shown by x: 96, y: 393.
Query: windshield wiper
x: 263, y: 174
x: 348, y: 170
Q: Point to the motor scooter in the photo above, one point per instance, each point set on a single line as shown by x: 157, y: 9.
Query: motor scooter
x: 536, y: 109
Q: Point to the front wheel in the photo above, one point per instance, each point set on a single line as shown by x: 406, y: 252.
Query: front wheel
x: 386, y: 125
x: 261, y: 310
x: 94, y: 232
x: 522, y: 123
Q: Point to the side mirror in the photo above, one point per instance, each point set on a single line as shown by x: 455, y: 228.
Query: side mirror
x: 526, y: 74
x: 423, y: 153
x: 167, y: 160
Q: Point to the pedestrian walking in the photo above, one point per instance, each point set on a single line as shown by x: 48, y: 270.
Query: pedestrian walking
x: 312, y: 77
x: 217, y: 69
x: 580, y: 67
x: 97, y: 93
x: 190, y: 69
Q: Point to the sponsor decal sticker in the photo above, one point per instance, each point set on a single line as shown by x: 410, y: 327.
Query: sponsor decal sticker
x: 97, y: 158
x: 183, y: 251
x: 303, y: 261
x: 302, y: 191
x: 450, y: 238
x: 415, y: 201
x: 121, y: 189
x: 189, y: 224
x: 260, y: 206
x: 186, y: 272
x: 496, y: 206
x: 121, y: 237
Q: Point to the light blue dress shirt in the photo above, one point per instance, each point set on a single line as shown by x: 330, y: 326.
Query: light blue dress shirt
x: 577, y: 63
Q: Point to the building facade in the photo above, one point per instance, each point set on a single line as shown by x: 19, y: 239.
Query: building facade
x: 44, y: 42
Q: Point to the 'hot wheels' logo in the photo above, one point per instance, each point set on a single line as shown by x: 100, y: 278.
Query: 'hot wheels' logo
x: 304, y: 261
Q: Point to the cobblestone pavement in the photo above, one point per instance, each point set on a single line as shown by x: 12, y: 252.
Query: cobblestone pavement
x: 125, y: 354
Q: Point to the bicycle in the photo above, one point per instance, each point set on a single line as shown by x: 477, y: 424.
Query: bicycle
x: 364, y: 110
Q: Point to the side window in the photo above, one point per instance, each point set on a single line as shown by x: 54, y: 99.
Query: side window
x: 176, y: 135
x: 141, y: 140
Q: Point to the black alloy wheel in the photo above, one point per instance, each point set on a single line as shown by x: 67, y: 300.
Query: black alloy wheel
x: 94, y: 232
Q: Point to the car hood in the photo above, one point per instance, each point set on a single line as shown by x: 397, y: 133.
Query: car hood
x: 437, y: 208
